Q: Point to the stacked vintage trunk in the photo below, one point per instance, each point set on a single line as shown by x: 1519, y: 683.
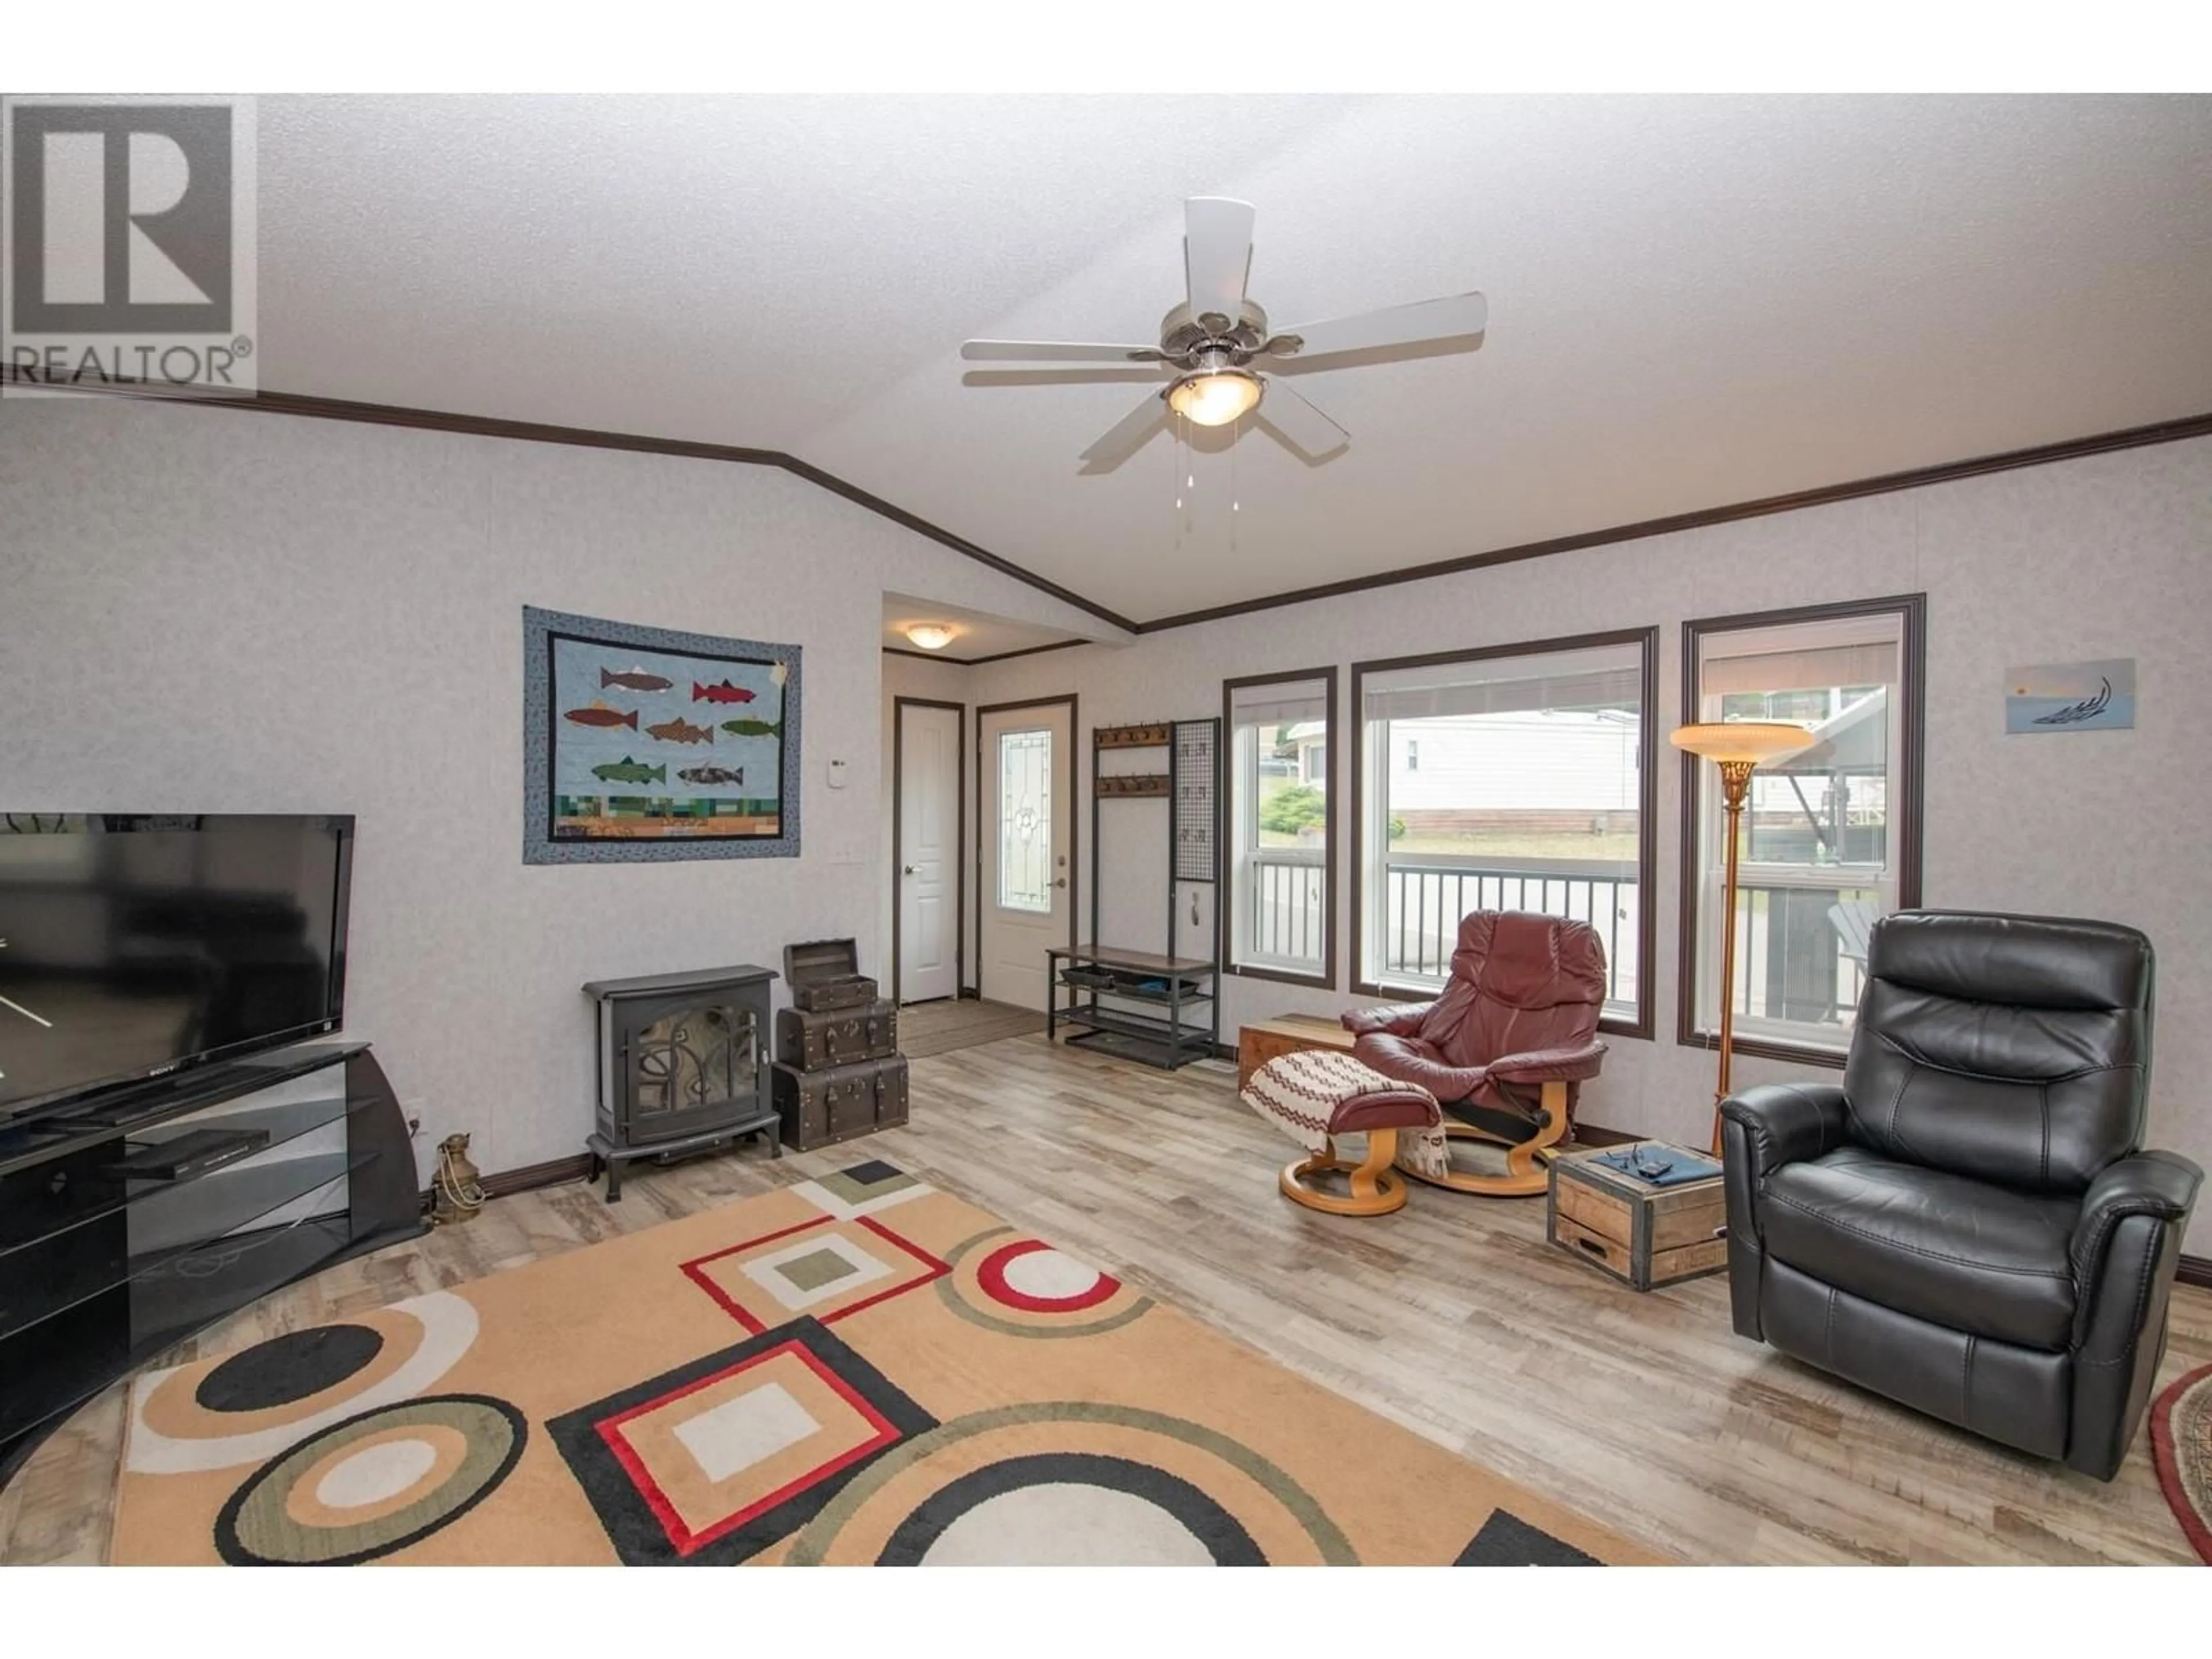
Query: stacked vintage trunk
x: 838, y: 1070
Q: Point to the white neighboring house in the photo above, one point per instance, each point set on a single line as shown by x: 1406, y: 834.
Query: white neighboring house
x: 1540, y: 761
x: 1563, y: 761
x: 1448, y: 772
x: 1308, y: 745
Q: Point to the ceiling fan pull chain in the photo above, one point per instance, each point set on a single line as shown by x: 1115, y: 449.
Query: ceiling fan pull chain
x: 1236, y: 491
x: 1175, y: 456
x: 1188, y: 498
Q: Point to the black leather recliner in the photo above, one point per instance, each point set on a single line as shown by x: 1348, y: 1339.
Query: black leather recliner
x: 1968, y: 1223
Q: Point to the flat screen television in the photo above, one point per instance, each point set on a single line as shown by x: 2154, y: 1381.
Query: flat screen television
x: 135, y: 945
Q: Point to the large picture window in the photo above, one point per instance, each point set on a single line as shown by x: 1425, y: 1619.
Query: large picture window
x: 1277, y: 921
x: 1831, y: 835
x: 1512, y: 779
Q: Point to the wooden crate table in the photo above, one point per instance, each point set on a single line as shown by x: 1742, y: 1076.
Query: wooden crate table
x: 1287, y: 1033
x: 1641, y: 1234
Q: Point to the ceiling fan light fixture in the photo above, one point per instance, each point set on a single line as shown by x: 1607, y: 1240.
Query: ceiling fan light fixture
x: 1216, y: 397
x: 931, y: 636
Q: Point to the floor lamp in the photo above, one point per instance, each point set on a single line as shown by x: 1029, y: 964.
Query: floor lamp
x: 1738, y: 747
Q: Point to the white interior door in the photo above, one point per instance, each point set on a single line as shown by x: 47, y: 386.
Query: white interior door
x: 929, y: 851
x: 1028, y: 762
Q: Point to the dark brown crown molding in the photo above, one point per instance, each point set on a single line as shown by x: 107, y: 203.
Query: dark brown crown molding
x: 2163, y: 432
x: 485, y: 426
x: 334, y: 409
x: 977, y: 662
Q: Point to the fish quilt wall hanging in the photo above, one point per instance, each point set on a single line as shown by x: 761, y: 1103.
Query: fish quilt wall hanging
x: 645, y: 743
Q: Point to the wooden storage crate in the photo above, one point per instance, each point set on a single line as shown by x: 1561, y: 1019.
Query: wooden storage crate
x: 1264, y: 1040
x: 1643, y: 1235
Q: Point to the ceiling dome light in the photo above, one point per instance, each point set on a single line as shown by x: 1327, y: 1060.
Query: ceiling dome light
x: 1217, y: 398
x: 932, y: 636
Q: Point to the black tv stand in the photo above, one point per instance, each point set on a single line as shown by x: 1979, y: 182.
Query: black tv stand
x: 99, y: 1273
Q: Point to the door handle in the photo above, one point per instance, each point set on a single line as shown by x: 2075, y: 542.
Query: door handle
x: 909, y: 869
x: 1062, y: 882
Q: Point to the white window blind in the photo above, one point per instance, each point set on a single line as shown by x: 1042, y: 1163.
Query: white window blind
x: 1874, y: 662
x: 1606, y: 676
x: 1281, y: 705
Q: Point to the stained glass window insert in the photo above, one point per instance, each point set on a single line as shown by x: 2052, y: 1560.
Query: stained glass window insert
x: 1025, y: 821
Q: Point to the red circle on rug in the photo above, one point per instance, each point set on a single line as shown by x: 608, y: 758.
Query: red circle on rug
x: 991, y: 1274
x: 2192, y: 1508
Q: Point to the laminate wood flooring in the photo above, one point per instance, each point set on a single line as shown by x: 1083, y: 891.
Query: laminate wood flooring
x: 1452, y: 1317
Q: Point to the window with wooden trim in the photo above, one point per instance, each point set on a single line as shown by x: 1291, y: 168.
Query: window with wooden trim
x: 1516, y: 779
x: 1280, y: 822
x: 1830, y: 836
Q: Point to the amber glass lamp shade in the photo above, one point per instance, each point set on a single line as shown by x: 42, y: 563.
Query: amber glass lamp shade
x: 1749, y: 742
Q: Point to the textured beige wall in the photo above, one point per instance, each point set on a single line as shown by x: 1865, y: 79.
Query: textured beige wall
x: 213, y: 611
x: 2107, y: 556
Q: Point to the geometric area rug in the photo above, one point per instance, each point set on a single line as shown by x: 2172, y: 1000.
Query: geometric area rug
x: 858, y: 1369
x: 2181, y: 1447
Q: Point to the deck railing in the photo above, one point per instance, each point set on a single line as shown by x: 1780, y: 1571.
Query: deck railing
x: 1285, y: 902
x: 1427, y: 896
x: 1792, y: 961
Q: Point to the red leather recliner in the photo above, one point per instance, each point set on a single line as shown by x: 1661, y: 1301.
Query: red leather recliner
x: 1506, y: 1046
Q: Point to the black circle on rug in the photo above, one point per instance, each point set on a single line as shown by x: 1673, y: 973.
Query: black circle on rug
x: 1214, y: 1528
x: 257, y: 1526
x: 290, y: 1367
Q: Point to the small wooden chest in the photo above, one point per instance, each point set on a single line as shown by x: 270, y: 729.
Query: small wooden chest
x: 825, y: 974
x: 1287, y: 1033
x: 808, y: 1039
x: 1643, y: 1235
x: 820, y: 1109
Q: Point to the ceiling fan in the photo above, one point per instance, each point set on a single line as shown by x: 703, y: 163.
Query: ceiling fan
x: 1215, y: 342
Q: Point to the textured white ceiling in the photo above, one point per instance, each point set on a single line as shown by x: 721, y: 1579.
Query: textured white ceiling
x: 1692, y: 302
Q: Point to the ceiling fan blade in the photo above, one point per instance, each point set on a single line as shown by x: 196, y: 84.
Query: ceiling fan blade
x: 1127, y: 434
x: 1303, y: 426
x: 1429, y: 319
x: 1217, y: 241
x: 1054, y: 351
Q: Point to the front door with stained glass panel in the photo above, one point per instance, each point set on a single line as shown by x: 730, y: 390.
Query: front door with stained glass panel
x: 1026, y: 887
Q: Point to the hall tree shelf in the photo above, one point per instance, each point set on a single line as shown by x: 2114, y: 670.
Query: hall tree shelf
x: 1156, y: 1007
x: 100, y: 1273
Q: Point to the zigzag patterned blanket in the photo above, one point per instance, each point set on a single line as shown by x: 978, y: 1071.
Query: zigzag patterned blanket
x: 1310, y: 1094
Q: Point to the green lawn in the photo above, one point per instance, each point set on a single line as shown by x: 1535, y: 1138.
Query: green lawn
x: 1502, y: 841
